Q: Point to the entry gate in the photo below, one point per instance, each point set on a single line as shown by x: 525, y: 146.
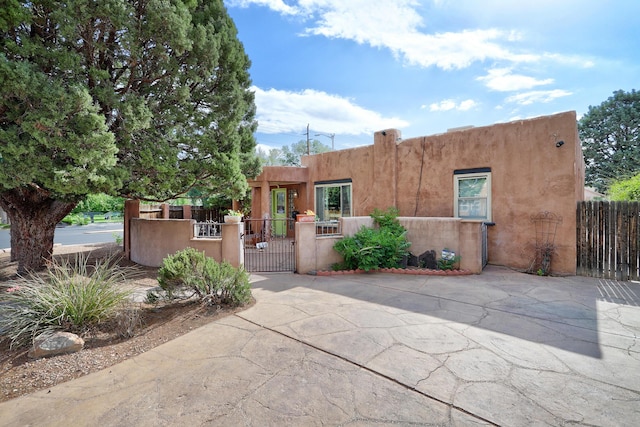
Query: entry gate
x: 269, y: 245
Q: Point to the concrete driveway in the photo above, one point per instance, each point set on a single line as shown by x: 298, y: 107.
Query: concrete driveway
x: 501, y: 348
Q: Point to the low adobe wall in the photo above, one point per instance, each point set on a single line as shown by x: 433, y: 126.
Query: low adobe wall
x: 463, y: 237
x: 152, y: 240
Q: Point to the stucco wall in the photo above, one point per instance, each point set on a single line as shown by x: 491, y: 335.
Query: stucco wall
x: 154, y: 239
x: 529, y: 175
x: 326, y: 256
x: 427, y: 234
x: 463, y: 237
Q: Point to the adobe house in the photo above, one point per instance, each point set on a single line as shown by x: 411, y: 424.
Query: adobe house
x: 503, y: 174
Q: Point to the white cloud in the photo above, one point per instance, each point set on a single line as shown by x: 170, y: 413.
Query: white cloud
x: 501, y: 79
x: 281, y: 111
x: 570, y: 60
x: 528, y: 98
x: 276, y: 5
x: 450, y: 104
x: 467, y: 105
x: 396, y: 25
x: 263, y: 148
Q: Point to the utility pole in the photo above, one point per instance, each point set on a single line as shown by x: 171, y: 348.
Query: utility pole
x: 328, y: 135
x: 308, y: 143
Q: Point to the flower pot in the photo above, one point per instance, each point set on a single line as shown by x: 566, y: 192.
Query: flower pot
x: 305, y: 218
x: 232, y: 219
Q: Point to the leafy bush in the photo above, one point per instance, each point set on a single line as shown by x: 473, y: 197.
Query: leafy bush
x: 448, y: 264
x: 372, y: 248
x: 388, y: 220
x: 100, y: 203
x: 70, y: 297
x: 75, y: 219
x: 626, y: 190
x: 213, y: 283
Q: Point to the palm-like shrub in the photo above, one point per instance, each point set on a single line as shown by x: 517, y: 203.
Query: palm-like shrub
x: 69, y: 296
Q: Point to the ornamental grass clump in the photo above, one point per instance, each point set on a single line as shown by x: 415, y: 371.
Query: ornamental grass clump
x: 73, y: 297
x: 189, y: 273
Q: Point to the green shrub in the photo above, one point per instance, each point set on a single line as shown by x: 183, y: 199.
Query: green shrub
x: 388, y: 220
x: 189, y: 272
x: 70, y: 297
x: 75, y: 219
x: 448, y: 264
x: 626, y: 189
x: 100, y: 203
x: 372, y: 248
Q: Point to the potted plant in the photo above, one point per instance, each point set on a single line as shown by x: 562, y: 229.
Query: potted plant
x: 233, y: 216
x: 308, y: 216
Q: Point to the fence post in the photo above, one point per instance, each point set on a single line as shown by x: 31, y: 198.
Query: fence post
x: 164, y: 211
x: 305, y: 247
x: 186, y: 212
x: 233, y: 243
x: 131, y: 210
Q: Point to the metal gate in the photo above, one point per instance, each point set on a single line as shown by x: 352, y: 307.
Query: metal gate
x: 269, y: 245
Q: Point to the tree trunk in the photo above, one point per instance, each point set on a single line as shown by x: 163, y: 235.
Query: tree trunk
x: 34, y: 216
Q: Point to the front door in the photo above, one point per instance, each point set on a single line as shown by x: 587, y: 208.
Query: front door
x: 279, y: 211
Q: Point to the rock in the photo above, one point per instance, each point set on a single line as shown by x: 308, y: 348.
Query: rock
x: 404, y: 262
x: 55, y: 343
x: 428, y: 260
x: 413, y: 260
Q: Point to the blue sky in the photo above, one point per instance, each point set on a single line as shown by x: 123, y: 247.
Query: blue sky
x: 353, y: 67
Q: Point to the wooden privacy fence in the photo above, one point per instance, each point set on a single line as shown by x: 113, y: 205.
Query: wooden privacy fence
x: 608, y: 240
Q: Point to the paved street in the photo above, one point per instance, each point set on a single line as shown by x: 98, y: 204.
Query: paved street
x: 76, y: 235
x: 500, y: 348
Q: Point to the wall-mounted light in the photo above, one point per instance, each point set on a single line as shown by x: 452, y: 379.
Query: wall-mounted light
x: 559, y: 143
x: 294, y: 193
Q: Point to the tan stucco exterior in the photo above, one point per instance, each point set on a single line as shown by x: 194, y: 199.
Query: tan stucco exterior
x: 530, y: 173
x: 462, y: 237
x: 152, y: 240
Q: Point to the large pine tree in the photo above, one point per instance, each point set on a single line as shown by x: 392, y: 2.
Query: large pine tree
x: 610, y: 135
x: 138, y: 98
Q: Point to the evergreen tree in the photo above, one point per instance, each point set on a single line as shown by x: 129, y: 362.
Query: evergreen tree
x: 610, y: 135
x: 269, y: 157
x: 292, y: 156
x: 135, y: 98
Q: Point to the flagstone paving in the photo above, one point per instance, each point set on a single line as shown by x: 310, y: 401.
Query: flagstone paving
x: 500, y: 348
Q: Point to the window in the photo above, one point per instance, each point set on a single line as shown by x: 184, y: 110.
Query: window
x: 472, y: 193
x: 333, y: 199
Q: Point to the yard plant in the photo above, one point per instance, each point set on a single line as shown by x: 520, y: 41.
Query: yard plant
x: 382, y: 246
x: 69, y: 296
x: 190, y: 272
x: 136, y: 99
x: 448, y: 263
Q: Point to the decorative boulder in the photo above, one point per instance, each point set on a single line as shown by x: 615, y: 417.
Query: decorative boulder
x: 428, y: 260
x: 54, y: 344
x: 412, y: 261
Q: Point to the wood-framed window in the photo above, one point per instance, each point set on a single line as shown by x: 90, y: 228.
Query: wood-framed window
x: 472, y: 194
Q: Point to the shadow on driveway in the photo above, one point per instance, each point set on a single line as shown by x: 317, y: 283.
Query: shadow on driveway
x: 575, y: 314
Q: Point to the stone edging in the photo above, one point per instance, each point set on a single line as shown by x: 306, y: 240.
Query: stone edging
x: 411, y: 271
